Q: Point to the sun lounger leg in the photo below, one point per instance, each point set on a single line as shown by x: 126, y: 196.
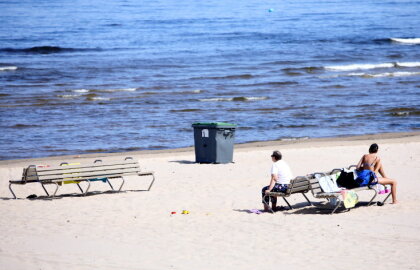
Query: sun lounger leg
x: 10, y: 188
x: 109, y: 183
x: 386, y: 198
x: 81, y: 190
x: 122, y: 184
x: 338, y: 205
x: 151, y: 184
x: 287, y: 203
x: 87, y: 189
x: 307, y: 198
x: 374, y: 196
x: 45, y: 190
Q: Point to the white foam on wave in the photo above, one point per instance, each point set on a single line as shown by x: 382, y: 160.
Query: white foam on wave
x: 386, y: 74
x: 407, y: 40
x: 98, y: 98
x: 81, y: 91
x: 215, y: 99
x: 127, y: 89
x: 408, y: 64
x: 8, y: 68
x: 68, y: 96
x: 359, y: 66
x: 255, y: 98
x: 120, y: 90
x: 233, y: 99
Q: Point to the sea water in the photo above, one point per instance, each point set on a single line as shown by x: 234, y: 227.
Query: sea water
x: 105, y: 76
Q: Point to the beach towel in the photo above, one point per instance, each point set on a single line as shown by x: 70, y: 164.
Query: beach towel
x: 350, y: 198
x: 327, y: 184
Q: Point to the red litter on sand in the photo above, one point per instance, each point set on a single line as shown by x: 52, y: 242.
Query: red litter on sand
x: 173, y: 213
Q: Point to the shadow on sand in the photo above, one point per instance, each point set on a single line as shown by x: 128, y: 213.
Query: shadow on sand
x: 34, y: 197
x: 183, y: 161
x: 318, y: 208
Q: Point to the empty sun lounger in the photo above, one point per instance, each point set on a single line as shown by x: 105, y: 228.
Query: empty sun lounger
x: 329, y: 191
x: 76, y: 173
x: 298, y: 185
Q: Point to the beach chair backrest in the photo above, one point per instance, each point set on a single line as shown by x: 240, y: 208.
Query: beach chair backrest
x: 314, y: 185
x: 327, y: 182
x: 77, y: 171
x: 29, y: 173
x: 299, y: 184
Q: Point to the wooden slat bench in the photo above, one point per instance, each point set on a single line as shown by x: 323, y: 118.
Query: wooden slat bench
x: 75, y: 173
x: 298, y: 185
x: 319, y: 193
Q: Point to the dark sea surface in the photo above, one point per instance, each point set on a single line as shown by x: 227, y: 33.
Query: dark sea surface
x: 105, y: 76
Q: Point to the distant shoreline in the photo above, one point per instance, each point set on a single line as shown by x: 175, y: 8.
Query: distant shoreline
x: 285, y: 143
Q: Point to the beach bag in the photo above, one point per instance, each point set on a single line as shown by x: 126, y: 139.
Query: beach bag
x: 365, y: 178
x: 346, y: 180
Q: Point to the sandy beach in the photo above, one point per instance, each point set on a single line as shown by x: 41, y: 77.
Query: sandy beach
x: 136, y: 230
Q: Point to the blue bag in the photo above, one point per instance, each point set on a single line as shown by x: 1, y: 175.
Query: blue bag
x: 365, y: 178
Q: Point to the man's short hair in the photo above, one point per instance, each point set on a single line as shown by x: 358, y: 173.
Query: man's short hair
x: 277, y: 155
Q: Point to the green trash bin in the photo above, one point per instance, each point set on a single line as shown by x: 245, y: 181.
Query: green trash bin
x: 213, y: 142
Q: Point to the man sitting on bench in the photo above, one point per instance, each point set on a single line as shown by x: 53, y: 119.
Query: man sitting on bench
x: 280, y: 178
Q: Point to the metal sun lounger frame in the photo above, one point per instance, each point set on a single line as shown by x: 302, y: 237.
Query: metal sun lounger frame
x: 318, y: 193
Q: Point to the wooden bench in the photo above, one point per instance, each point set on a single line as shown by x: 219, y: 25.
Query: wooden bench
x: 319, y: 193
x: 68, y: 173
x: 298, y: 185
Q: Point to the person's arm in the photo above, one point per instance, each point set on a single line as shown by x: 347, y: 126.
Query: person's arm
x: 359, y: 165
x: 272, y: 183
x: 379, y: 168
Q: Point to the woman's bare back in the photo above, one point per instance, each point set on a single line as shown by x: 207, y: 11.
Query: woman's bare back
x: 369, y: 162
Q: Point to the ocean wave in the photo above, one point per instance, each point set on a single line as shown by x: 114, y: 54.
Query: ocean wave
x: 25, y: 126
x: 408, y: 64
x: 80, y: 91
x: 97, y: 98
x: 296, y: 126
x: 68, y: 96
x: 386, y: 74
x: 269, y: 84
x: 83, y: 90
x: 44, y: 50
x: 8, y: 68
x: 360, y: 66
x: 227, y: 77
x: 114, y: 90
x: 185, y: 110
x: 403, y: 111
x: 196, y: 91
x: 233, y: 99
x: 373, y: 66
x: 406, y: 40
x: 300, y: 69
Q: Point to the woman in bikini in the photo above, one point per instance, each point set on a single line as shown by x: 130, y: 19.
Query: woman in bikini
x: 373, y: 163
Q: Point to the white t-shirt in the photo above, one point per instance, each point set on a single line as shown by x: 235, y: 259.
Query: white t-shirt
x: 283, y: 172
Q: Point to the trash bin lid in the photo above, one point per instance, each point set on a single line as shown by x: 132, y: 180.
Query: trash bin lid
x: 214, y: 125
